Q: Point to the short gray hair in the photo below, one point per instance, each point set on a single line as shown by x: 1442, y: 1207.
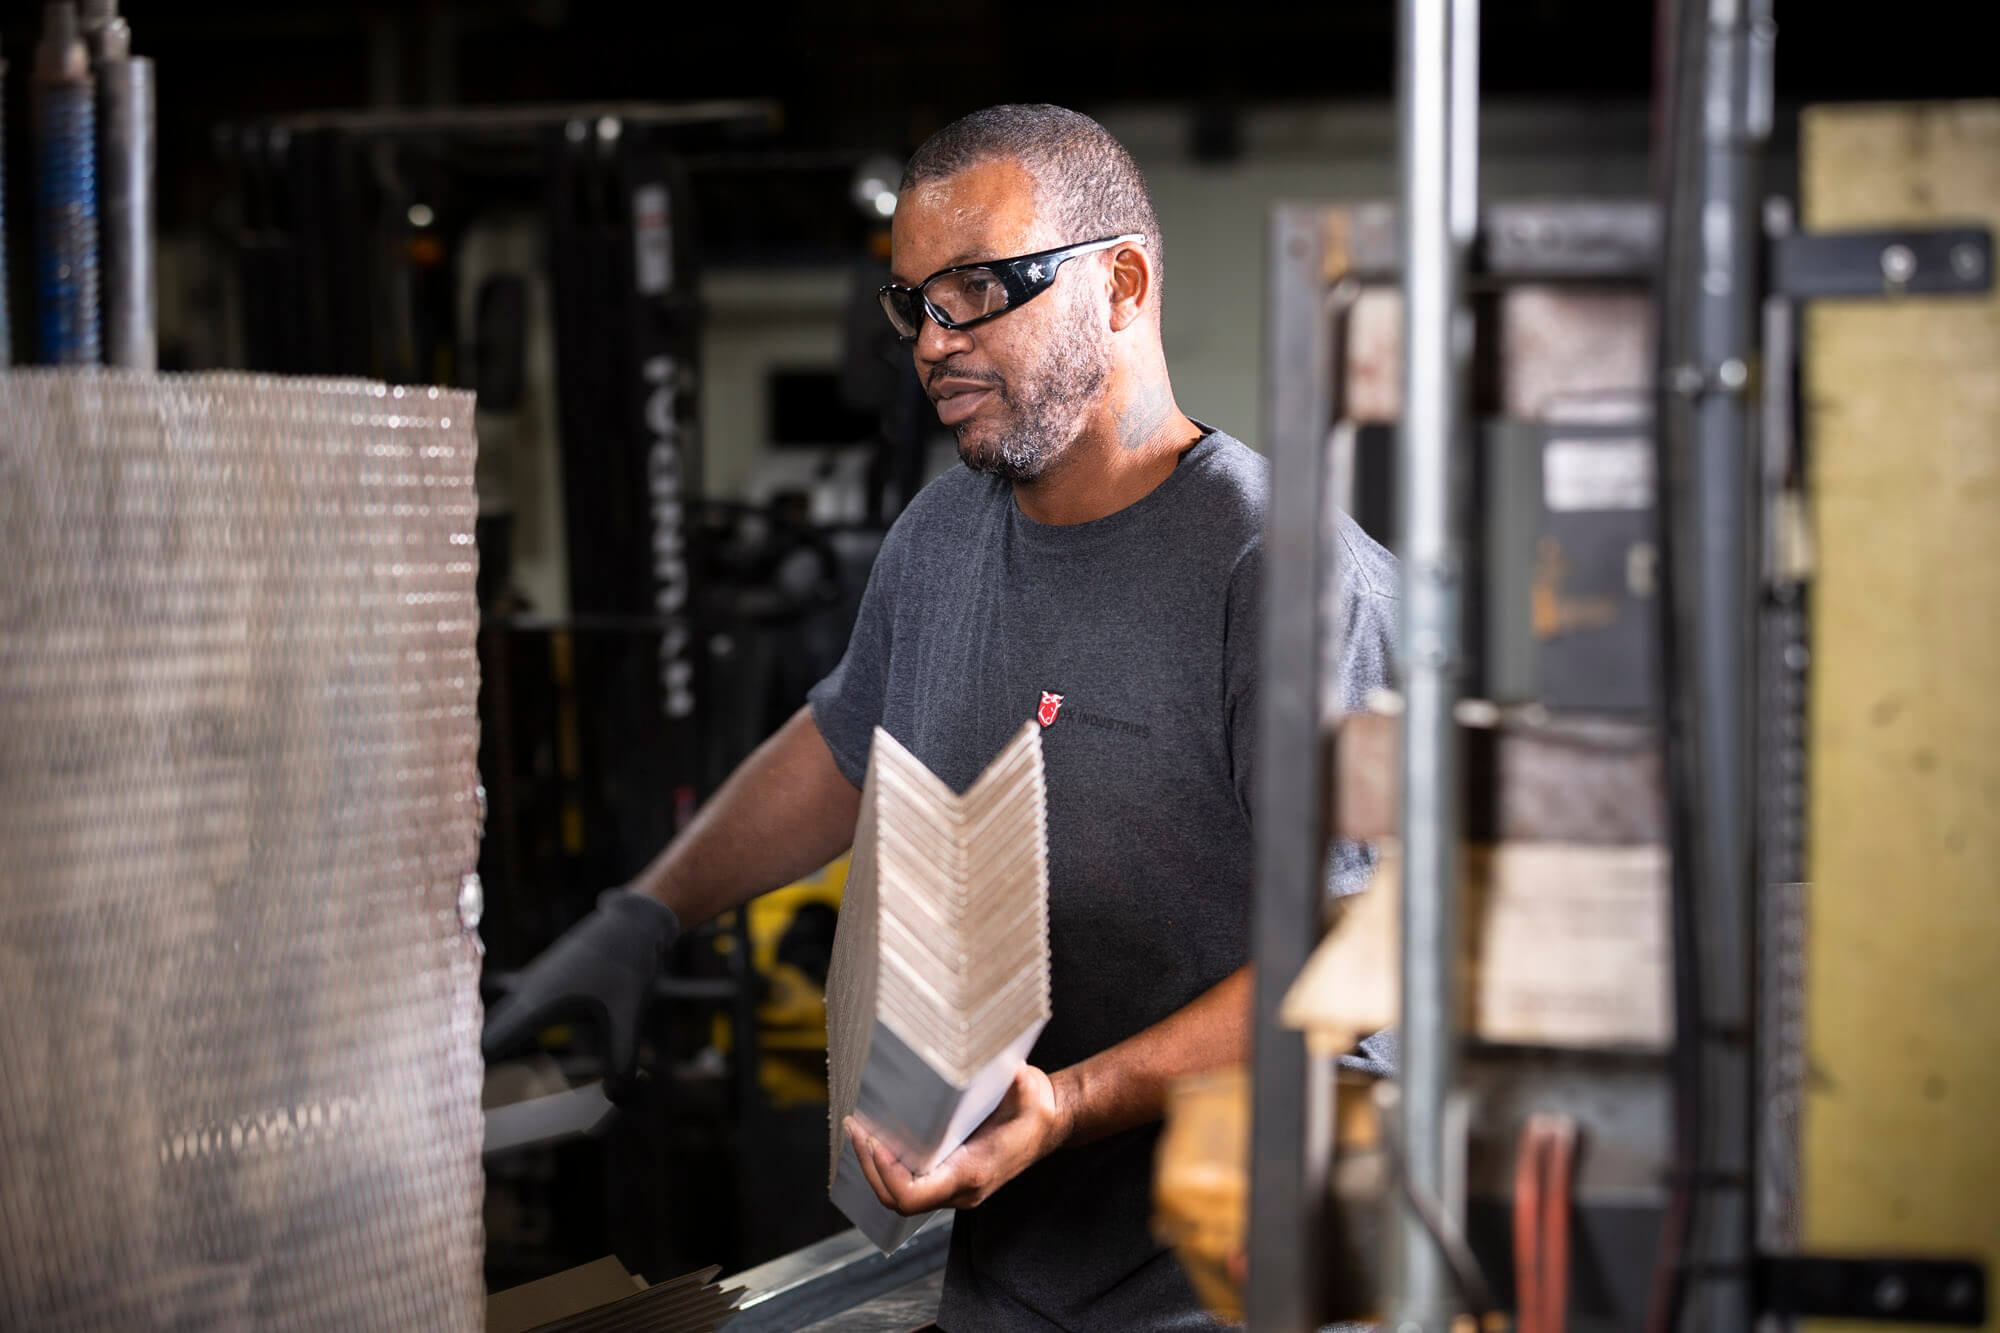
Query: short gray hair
x: 1084, y: 179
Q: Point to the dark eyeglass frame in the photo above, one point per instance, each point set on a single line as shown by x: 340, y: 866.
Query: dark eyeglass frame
x: 1023, y: 278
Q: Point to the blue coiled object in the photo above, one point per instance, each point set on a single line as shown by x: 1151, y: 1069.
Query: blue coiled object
x: 66, y: 191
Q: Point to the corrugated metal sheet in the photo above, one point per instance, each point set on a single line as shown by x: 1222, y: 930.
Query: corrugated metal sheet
x: 239, y: 1066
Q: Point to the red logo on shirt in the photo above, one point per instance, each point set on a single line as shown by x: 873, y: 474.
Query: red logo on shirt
x: 1051, y: 705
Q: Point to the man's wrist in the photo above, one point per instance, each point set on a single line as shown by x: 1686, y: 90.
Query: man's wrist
x: 1067, y: 1087
x: 659, y: 888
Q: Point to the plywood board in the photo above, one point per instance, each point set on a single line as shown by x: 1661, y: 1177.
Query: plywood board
x: 1903, y: 438
x: 1565, y: 946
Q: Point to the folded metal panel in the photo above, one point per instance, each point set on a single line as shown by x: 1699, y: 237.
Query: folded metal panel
x: 940, y: 977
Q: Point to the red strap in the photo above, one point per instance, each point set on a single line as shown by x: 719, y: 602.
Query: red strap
x: 1559, y: 1168
x: 1544, y: 1175
x: 1527, y: 1228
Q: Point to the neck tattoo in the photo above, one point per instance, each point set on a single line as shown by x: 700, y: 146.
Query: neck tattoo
x: 1140, y: 419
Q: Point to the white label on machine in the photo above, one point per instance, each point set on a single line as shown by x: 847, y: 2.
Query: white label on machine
x: 1597, y: 474
x: 652, y: 235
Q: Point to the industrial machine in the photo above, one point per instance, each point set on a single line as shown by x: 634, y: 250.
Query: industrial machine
x: 638, y: 637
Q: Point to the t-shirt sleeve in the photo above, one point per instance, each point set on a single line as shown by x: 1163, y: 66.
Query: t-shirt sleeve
x: 847, y: 704
x: 1366, y: 627
x: 1365, y: 654
x: 1362, y: 658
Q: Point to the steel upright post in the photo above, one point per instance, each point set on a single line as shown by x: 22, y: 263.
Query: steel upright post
x: 1290, y: 836
x: 1710, y: 290
x: 1437, y: 107
x: 66, y: 193
x: 125, y: 150
x: 6, y: 323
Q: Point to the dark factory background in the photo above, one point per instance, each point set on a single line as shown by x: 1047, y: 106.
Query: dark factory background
x: 444, y: 193
x: 850, y: 79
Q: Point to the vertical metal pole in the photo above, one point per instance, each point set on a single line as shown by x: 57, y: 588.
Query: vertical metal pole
x: 125, y: 212
x: 66, y: 193
x: 1709, y: 505
x: 1438, y: 112
x: 6, y: 324
x: 1726, y: 491
x: 1781, y: 791
x: 1290, y: 805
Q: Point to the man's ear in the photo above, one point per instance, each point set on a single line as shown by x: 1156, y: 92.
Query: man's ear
x: 1131, y: 284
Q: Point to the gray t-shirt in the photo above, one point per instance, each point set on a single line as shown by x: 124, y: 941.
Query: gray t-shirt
x: 1145, y: 623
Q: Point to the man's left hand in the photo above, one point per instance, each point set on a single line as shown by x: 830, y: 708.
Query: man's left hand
x: 1028, y: 1125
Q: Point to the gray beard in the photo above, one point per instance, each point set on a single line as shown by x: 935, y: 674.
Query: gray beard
x: 1041, y: 421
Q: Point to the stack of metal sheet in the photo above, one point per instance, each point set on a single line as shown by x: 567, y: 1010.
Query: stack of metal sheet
x: 691, y: 1303
x: 239, y: 1007
x: 940, y: 975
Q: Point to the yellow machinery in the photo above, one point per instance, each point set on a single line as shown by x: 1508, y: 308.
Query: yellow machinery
x: 791, y: 1017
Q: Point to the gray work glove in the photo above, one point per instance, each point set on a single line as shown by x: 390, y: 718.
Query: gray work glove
x: 1376, y: 1055
x: 601, y: 972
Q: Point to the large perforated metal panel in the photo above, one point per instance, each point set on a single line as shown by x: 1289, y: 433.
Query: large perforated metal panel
x: 239, y: 1017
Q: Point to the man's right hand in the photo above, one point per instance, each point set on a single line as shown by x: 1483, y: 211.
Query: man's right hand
x: 601, y: 971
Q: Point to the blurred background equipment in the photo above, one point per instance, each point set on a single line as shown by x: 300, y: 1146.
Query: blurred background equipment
x: 1605, y: 1000
x: 637, y: 640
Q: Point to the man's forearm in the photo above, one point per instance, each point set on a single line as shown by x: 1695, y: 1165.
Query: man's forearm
x: 786, y: 811
x: 1126, y: 1085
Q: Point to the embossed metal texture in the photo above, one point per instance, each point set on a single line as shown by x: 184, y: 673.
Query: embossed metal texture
x: 239, y: 1013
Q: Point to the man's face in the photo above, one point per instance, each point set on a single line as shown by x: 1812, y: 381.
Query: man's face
x: 1015, y: 389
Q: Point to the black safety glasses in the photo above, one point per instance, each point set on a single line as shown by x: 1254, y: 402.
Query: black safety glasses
x: 958, y: 298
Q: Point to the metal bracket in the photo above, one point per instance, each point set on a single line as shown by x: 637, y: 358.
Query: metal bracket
x: 1906, y: 1291
x: 1903, y: 261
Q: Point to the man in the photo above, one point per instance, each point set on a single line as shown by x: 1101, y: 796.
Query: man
x: 1097, y: 561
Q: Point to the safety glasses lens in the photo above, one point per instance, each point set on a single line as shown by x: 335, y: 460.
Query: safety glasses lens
x: 904, y: 309
x: 967, y: 295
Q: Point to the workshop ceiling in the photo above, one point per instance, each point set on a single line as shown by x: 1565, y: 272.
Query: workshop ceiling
x: 880, y: 74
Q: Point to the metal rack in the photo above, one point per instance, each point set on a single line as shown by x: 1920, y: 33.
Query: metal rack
x: 1324, y: 260
x: 1726, y: 272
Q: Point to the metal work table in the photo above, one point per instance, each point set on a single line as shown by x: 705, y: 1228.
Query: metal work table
x: 845, y: 1283
x: 911, y: 1306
